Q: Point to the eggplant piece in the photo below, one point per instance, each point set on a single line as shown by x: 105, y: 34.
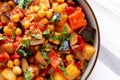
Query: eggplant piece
x: 16, y: 1
x: 88, y: 33
x: 24, y: 52
x: 65, y: 45
x: 36, y: 41
x: 65, y: 48
x: 55, y: 17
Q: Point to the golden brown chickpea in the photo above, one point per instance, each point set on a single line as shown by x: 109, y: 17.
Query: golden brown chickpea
x: 16, y: 62
x: 10, y: 64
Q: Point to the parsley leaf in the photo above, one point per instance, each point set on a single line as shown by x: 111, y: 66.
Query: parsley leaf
x: 24, y: 3
x: 63, y: 37
x: 26, y: 43
x: 62, y: 67
x: 27, y: 75
x: 45, y: 55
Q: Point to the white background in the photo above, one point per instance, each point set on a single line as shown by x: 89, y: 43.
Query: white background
x: 108, y: 16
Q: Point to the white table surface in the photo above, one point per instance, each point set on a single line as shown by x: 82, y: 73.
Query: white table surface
x: 108, y: 15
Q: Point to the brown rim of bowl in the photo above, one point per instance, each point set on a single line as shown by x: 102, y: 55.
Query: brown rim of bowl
x: 98, y: 40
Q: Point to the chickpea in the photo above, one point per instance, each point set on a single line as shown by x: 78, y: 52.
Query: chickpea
x: 49, y: 14
x: 36, y: 8
x: 18, y: 32
x: 11, y: 3
x: 41, y: 13
x: 44, y: 21
x: 7, y: 31
x: 26, y: 24
x: 51, y: 27
x: 16, y: 62
x: 15, y: 18
x: 17, y: 70
x: 69, y: 58
x: 10, y: 64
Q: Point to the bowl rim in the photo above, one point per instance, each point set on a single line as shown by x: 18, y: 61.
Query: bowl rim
x: 98, y: 47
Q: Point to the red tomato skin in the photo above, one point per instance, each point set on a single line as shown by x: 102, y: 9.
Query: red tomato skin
x: 16, y: 55
x: 69, y: 10
x: 4, y: 56
x: 54, y: 59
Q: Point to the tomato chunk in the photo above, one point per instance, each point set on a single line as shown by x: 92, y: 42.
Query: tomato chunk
x: 4, y: 57
x: 54, y: 59
x: 77, y: 20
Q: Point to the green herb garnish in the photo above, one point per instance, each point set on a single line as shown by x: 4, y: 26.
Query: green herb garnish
x: 63, y: 37
x: 26, y: 43
x: 24, y: 3
x: 27, y: 75
x: 62, y: 68
x: 51, y: 76
x: 45, y: 55
x: 46, y: 32
x: 55, y: 17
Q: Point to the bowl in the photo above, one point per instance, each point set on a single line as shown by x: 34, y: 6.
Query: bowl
x: 93, y: 22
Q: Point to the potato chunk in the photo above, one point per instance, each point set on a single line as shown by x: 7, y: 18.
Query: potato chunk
x: 89, y: 52
x: 72, y: 72
x: 8, y: 74
x: 59, y: 76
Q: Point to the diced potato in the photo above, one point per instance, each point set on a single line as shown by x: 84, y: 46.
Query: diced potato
x: 89, y: 52
x: 59, y: 76
x: 24, y: 64
x: 40, y: 58
x: 8, y: 47
x: 56, y: 41
x: 72, y: 72
x: 8, y: 74
x: 73, y: 40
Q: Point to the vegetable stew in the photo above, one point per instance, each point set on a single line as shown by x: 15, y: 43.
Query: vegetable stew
x: 44, y: 40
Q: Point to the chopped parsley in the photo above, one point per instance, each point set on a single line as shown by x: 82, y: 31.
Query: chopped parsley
x: 45, y: 55
x: 64, y: 34
x: 27, y: 75
x: 26, y: 43
x: 62, y: 68
x: 23, y: 3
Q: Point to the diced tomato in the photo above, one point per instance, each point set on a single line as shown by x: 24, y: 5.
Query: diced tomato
x: 15, y: 56
x: 34, y: 24
x: 43, y: 29
x: 4, y: 57
x: 82, y: 43
x: 77, y: 20
x: 76, y: 48
x: 54, y: 59
x: 69, y: 10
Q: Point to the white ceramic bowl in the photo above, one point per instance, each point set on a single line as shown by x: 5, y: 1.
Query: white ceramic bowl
x: 93, y: 22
